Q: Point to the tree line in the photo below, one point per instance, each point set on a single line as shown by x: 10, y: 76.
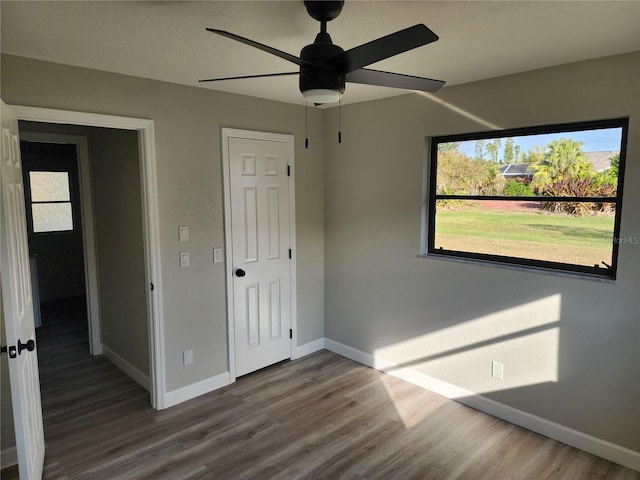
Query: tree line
x: 558, y: 169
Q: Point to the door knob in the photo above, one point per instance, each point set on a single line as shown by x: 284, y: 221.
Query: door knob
x: 13, y: 352
x: 29, y: 346
x: 240, y: 273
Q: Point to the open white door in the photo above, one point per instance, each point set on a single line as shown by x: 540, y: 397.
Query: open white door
x: 259, y: 252
x: 18, y: 306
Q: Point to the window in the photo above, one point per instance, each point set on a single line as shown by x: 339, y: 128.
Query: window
x: 542, y: 197
x: 50, y: 201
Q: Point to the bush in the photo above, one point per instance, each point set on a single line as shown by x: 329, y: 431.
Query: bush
x: 578, y: 187
x: 448, y: 203
x: 518, y: 188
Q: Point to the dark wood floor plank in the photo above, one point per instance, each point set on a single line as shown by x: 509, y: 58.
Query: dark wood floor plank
x: 320, y: 417
x: 138, y: 436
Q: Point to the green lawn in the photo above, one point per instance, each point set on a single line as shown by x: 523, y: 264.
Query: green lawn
x: 530, y: 234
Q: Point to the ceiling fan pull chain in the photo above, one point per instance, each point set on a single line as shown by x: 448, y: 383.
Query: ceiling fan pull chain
x: 306, y: 125
x: 339, y: 118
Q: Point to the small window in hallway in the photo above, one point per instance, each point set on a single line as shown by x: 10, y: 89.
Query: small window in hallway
x: 50, y: 201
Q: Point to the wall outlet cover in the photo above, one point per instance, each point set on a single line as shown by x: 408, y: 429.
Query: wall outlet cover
x: 497, y: 370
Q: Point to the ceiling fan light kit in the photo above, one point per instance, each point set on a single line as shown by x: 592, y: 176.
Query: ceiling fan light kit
x: 325, y: 68
x: 320, y: 96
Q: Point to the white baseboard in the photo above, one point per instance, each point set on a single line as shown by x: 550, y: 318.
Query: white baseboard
x: 602, y: 448
x: 308, y: 348
x: 126, y: 367
x: 349, y: 352
x: 8, y: 457
x: 208, y: 385
x: 195, y: 390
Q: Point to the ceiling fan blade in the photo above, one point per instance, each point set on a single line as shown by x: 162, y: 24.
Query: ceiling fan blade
x: 383, y: 47
x: 264, y: 48
x: 394, y: 80
x: 249, y: 76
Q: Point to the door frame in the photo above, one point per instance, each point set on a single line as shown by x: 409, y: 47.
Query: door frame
x: 150, y: 222
x: 88, y: 228
x: 226, y: 134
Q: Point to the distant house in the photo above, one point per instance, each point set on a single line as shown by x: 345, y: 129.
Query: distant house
x: 514, y: 171
x: 601, y: 160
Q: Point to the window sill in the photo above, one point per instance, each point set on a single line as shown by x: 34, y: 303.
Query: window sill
x: 519, y: 268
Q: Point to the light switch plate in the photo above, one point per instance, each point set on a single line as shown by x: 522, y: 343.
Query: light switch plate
x: 217, y: 255
x: 183, y: 233
x: 184, y: 259
x: 187, y: 357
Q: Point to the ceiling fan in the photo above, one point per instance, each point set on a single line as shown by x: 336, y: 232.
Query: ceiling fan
x: 325, y: 67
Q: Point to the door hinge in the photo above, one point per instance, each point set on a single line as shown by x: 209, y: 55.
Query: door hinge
x: 151, y: 287
x: 290, y: 333
x: 288, y: 170
x: 290, y: 254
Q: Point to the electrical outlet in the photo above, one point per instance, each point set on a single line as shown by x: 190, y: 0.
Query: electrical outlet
x: 497, y: 370
x: 187, y: 357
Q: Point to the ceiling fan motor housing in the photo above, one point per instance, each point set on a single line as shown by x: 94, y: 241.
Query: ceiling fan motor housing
x: 316, y: 77
x: 324, y: 10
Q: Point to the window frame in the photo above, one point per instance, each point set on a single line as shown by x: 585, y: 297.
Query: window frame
x: 518, y: 262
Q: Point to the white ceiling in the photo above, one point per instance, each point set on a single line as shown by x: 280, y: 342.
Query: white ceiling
x: 167, y: 41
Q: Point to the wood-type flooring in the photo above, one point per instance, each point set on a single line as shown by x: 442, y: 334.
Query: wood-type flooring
x: 322, y: 416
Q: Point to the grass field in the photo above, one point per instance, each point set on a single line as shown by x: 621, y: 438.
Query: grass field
x: 527, y: 234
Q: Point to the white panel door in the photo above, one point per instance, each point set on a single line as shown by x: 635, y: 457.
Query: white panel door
x: 259, y: 196
x: 18, y: 306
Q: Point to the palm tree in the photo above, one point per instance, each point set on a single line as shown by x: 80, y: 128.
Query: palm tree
x: 563, y: 158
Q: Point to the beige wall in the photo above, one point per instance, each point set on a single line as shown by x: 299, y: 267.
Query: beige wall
x: 187, y: 131
x: 117, y: 197
x: 570, y: 347
x: 115, y: 179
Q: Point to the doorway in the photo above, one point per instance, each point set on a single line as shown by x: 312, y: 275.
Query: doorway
x: 53, y: 208
x: 64, y: 250
x: 146, y: 188
x: 151, y: 282
x: 56, y: 211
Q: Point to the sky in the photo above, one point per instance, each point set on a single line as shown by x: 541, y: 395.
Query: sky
x: 606, y: 139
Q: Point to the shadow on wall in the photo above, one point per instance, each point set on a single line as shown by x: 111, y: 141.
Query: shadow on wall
x: 547, y: 351
x: 568, y: 345
x: 469, y: 345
